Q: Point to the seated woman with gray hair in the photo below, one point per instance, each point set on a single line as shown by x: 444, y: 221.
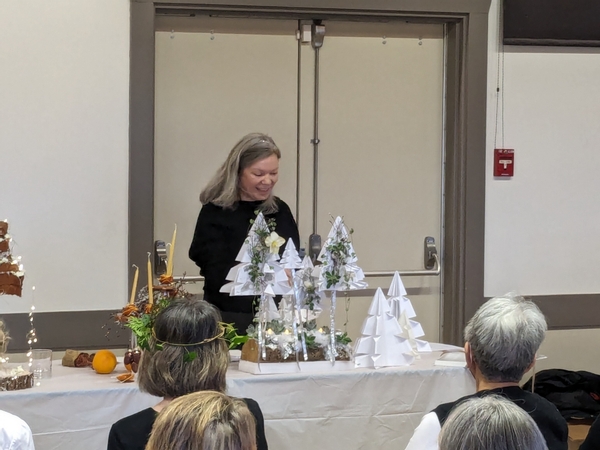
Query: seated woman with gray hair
x: 490, y: 423
x: 502, y: 340
x: 204, y: 420
x: 183, y: 328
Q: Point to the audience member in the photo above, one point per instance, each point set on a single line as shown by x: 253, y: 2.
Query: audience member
x: 187, y: 354
x: 592, y: 441
x: 502, y: 339
x: 15, y: 434
x: 204, y: 421
x: 490, y: 423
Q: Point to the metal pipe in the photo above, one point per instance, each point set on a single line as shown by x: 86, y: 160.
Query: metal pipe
x: 315, y: 142
x: 298, y: 111
x: 385, y: 273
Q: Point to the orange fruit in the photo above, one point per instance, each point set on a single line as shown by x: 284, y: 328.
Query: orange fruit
x: 104, y: 361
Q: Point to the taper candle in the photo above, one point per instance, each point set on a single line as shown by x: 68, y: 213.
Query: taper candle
x: 134, y: 286
x: 171, y: 253
x: 150, y: 281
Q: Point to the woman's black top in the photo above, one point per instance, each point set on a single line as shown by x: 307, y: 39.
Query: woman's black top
x: 132, y: 432
x: 218, y: 237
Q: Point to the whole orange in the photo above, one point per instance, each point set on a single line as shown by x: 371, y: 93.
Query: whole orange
x: 104, y: 361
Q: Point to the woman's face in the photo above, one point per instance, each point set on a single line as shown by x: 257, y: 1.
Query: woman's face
x: 257, y: 180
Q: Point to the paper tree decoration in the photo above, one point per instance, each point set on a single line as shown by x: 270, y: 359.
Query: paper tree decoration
x: 290, y: 258
x: 339, y: 271
x: 263, y: 276
x: 259, y: 273
x: 381, y: 343
x: 399, y: 303
x: 401, y: 308
x: 286, y: 310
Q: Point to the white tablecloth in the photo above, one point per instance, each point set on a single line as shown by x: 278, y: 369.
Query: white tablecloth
x: 358, y: 409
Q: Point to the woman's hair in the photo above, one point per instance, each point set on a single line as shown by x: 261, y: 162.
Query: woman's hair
x: 204, y: 421
x: 504, y: 335
x: 223, y: 189
x: 490, y: 423
x: 172, y: 367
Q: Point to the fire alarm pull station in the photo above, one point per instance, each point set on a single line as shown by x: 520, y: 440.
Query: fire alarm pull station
x: 504, y: 162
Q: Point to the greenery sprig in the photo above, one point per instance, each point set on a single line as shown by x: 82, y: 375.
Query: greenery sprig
x: 340, y: 252
x: 259, y: 251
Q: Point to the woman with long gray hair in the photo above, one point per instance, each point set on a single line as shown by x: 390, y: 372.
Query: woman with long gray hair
x: 242, y: 186
x: 490, y: 423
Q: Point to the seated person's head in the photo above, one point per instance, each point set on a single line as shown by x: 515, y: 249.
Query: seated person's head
x: 186, y: 352
x: 204, y: 421
x: 502, y: 338
x: 490, y: 423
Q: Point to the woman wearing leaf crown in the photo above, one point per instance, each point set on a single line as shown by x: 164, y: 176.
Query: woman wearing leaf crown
x: 241, y: 187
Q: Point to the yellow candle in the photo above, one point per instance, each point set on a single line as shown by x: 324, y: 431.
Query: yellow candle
x: 134, y: 286
x: 171, y: 253
x: 150, y: 280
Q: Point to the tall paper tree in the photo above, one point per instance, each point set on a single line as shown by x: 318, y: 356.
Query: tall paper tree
x: 381, y: 343
x: 402, y: 308
x: 339, y: 271
x: 259, y: 273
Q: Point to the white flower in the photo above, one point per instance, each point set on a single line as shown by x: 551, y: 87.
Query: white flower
x: 274, y: 241
x: 308, y: 284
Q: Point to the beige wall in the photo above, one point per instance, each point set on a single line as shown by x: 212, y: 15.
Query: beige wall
x: 542, y: 226
x: 64, y: 112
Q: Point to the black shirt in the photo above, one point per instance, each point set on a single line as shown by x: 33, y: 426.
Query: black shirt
x: 592, y: 441
x: 132, y: 432
x: 550, y: 422
x: 218, y: 238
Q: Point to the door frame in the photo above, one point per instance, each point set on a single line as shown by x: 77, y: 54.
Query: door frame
x: 464, y: 111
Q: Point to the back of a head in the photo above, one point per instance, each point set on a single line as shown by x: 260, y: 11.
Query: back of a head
x: 187, y: 353
x: 504, y: 335
x: 490, y: 423
x: 204, y: 421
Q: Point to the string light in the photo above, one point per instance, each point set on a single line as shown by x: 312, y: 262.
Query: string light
x: 31, y: 336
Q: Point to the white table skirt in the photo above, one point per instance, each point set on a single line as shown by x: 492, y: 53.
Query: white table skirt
x: 358, y: 409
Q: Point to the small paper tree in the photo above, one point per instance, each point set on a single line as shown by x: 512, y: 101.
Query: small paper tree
x: 308, y: 297
x: 290, y: 259
x: 381, y: 343
x: 339, y: 271
x: 401, y: 307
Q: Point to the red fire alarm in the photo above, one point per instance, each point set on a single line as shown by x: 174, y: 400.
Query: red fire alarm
x: 504, y: 162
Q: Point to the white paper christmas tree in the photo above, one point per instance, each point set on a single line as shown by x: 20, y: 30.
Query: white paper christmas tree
x: 290, y: 258
x: 381, y: 343
x: 264, y: 277
x: 402, y: 308
x: 339, y: 271
x: 306, y: 289
x: 271, y: 313
x: 286, y: 310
